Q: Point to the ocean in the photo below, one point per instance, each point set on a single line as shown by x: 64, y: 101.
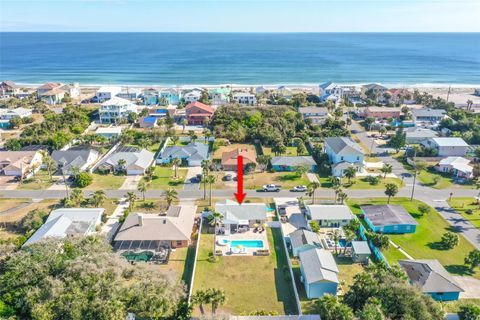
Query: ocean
x: 241, y: 58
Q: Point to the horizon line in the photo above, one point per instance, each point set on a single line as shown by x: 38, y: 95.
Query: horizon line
x: 243, y: 32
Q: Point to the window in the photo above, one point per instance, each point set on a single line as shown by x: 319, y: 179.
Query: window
x: 341, y: 158
x: 179, y: 243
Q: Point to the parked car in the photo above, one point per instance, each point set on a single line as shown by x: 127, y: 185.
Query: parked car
x: 299, y: 189
x: 227, y: 177
x: 271, y: 188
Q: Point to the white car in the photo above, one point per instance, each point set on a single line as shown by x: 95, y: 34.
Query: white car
x: 299, y: 189
x: 271, y: 188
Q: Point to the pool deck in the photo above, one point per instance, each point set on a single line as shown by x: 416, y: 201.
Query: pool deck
x: 249, y: 235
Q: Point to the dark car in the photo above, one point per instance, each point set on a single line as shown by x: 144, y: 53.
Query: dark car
x: 227, y: 177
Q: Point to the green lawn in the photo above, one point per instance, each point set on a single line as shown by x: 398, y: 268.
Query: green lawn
x: 41, y: 181
x: 251, y: 283
x: 361, y: 183
x: 163, y: 178
x: 151, y: 205
x: 425, y: 242
x: 462, y: 205
x: 393, y: 255
x: 179, y: 266
x: 454, y: 306
x: 106, y: 182
x: 286, y: 180
x: 291, y: 151
x: 427, y: 177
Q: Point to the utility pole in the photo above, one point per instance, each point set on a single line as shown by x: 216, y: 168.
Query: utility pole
x: 415, y: 174
x: 64, y: 181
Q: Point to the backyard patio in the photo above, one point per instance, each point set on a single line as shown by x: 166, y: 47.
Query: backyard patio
x: 244, y: 243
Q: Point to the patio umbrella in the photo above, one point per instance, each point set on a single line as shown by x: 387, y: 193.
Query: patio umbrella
x: 255, y: 225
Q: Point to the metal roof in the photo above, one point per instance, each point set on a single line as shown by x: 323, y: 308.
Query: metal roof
x: 329, y: 212
x: 387, y: 215
x: 318, y: 265
x: 343, y: 145
x: 293, y: 161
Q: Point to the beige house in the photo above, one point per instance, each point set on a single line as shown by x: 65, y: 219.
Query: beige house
x: 19, y: 163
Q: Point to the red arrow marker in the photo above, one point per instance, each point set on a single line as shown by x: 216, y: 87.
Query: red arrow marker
x: 240, y: 195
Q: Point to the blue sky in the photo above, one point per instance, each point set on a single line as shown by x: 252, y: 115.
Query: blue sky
x: 241, y: 15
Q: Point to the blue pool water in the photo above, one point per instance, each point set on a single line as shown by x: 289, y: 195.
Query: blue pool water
x: 342, y: 243
x: 247, y: 243
x: 269, y: 209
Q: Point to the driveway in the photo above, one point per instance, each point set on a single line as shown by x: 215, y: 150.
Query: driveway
x: 470, y: 285
x: 131, y: 182
x: 7, y: 183
x: 111, y: 226
x: 191, y: 173
x: 312, y: 177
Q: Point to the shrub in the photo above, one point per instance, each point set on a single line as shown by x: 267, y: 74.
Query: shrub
x: 83, y: 179
x: 372, y: 180
x: 469, y: 312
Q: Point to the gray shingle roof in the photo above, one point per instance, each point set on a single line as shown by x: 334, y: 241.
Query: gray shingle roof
x: 233, y: 212
x: 430, y: 276
x: 427, y: 112
x: 343, y: 145
x: 192, y: 151
x: 329, y: 212
x: 313, y: 110
x: 293, y: 161
x: 318, y: 265
x: 416, y: 132
x: 73, y: 158
x: 388, y: 214
x: 142, y: 159
x: 302, y: 237
x: 361, y: 247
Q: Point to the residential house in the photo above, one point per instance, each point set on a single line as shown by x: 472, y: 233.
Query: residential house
x: 229, y: 158
x: 106, y: 93
x: 376, y: 90
x: 72, y: 89
x: 343, y: 152
x: 170, y: 96
x: 53, y: 97
x: 5, y: 124
x: 245, y: 98
x: 302, y: 240
x: 116, y: 110
x: 417, y: 135
x: 110, y: 133
x: 457, y: 166
x: 319, y: 273
x: 132, y: 94
x: 68, y: 222
x: 192, y: 96
x: 402, y: 96
x: 47, y: 87
x: 285, y: 92
x: 389, y: 218
x: 219, y: 96
x: 329, y: 215
x: 447, y: 146
x: 360, y: 251
x: 158, y: 113
x: 19, y: 163
x: 82, y: 159
x: 328, y: 89
x: 8, y: 88
x: 151, y: 232
x: 150, y: 97
x: 282, y: 163
x: 8, y: 114
x: 136, y: 161
x: 192, y: 154
x: 316, y: 114
x: 428, y: 116
x: 147, y: 122
x: 197, y: 113
x: 261, y: 90
x: 432, y: 278
x: 382, y: 112
x: 236, y: 216
x: 476, y: 92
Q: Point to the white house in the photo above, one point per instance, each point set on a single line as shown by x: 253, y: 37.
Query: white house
x: 316, y: 114
x: 319, y: 272
x: 447, y: 146
x: 72, y: 89
x: 330, y: 215
x: 107, y: 93
x: 116, y: 109
x: 343, y: 152
x: 130, y: 94
x: 12, y: 113
x: 457, y: 166
x: 192, y: 96
x: 428, y: 116
x: 245, y: 98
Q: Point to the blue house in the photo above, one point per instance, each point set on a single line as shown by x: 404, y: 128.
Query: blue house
x: 171, y: 96
x: 389, y: 219
x: 150, y: 97
x: 432, y: 278
x: 301, y: 240
x: 342, y: 153
x: 192, y: 154
x: 292, y: 163
x: 319, y: 272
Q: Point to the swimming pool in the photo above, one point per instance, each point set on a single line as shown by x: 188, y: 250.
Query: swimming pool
x: 247, y: 243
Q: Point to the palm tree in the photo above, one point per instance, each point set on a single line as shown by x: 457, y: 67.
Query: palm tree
x: 338, y: 190
x: 131, y: 198
x: 301, y: 170
x: 217, y: 298
x: 386, y: 169
x: 206, y: 164
x: 349, y: 237
x: 176, y: 162
x: 76, y: 197
x: 170, y: 195
x: 335, y: 181
x: 200, y: 298
x: 49, y: 163
x: 210, y: 180
x: 121, y: 164
x: 184, y: 124
x: 142, y: 187
x: 342, y: 196
x: 336, y: 238
x: 149, y: 174
x: 98, y: 198
x: 174, y: 139
x: 312, y: 186
x: 215, y: 220
x: 391, y: 190
x: 75, y: 171
x: 350, y: 173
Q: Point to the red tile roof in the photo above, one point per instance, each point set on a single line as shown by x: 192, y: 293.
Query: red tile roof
x: 200, y: 105
x: 50, y: 85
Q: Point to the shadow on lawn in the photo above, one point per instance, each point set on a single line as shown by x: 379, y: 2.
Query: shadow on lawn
x: 289, y: 177
x: 459, y: 269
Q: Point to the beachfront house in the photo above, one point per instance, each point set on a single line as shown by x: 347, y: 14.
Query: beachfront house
x: 432, y: 278
x: 116, y: 110
x: 106, y: 93
x: 245, y: 98
x: 152, y: 232
x: 389, y: 218
x: 136, y: 161
x: 44, y: 88
x: 458, y: 167
x: 447, y: 146
x: 316, y: 114
x: 192, y: 95
x: 427, y: 117
x: 75, y: 159
x: 284, y: 163
x: 219, y: 96
x: 302, y: 240
x: 9, y: 114
x: 229, y: 158
x: 72, y: 89
x: 328, y: 215
x: 169, y: 97
x: 238, y: 218
x: 360, y: 251
x: 191, y: 155
x: 132, y: 94
x: 330, y: 89
x: 319, y: 273
x: 8, y: 88
x: 20, y: 163
x: 375, y: 91
x: 382, y: 112
x: 198, y: 113
x: 65, y: 222
x: 417, y: 135
x: 342, y: 153
x: 150, y: 96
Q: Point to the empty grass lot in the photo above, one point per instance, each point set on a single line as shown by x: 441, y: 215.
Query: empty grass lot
x: 250, y: 282
x: 286, y: 180
x: 360, y: 183
x: 462, y: 205
x: 163, y: 178
x: 425, y: 242
x: 106, y: 182
x: 41, y: 181
x: 291, y: 151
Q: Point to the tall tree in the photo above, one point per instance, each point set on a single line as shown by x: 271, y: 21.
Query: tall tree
x: 142, y: 187
x: 391, y: 190
x: 98, y: 198
x: 311, y: 188
x: 386, y: 169
x: 176, y: 162
x: 350, y: 173
x: 131, y: 199
x: 170, y: 196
